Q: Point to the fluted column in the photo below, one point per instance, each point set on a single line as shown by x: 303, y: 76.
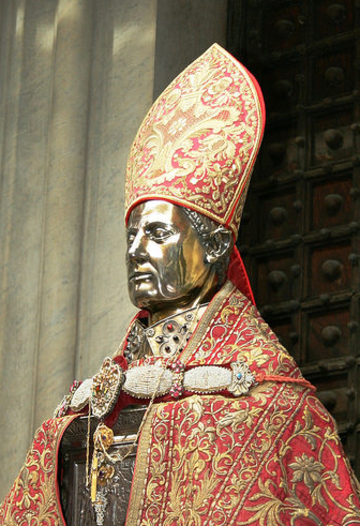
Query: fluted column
x: 122, y: 87
x: 63, y: 193
x: 76, y: 80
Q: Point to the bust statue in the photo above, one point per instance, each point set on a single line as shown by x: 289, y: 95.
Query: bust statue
x: 171, y: 266
x: 226, y: 429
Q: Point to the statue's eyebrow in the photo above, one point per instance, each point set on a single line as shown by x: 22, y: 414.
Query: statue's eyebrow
x: 156, y: 224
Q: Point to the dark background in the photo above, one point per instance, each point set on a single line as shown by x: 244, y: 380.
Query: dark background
x: 300, y: 229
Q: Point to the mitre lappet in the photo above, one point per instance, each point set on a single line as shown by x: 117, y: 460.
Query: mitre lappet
x: 198, y: 144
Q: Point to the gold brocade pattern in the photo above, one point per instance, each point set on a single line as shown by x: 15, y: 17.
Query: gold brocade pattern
x: 260, y: 460
x: 269, y: 458
x: 237, y: 329
x: 272, y: 457
x: 32, y: 500
x: 198, y: 144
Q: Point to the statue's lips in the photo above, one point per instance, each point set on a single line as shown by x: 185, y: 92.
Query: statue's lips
x: 140, y: 276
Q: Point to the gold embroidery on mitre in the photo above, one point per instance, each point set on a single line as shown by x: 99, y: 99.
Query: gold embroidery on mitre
x: 198, y: 143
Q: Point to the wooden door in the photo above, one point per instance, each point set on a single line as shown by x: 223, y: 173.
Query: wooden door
x: 300, y: 230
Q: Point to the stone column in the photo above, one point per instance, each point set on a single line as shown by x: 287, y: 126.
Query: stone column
x: 76, y: 81
x: 122, y: 88
x: 185, y: 29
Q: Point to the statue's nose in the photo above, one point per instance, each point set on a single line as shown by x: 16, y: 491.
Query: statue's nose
x: 137, y: 248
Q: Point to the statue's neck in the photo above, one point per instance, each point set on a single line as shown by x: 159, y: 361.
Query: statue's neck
x: 199, y: 297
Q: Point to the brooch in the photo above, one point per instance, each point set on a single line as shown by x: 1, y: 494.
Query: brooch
x: 106, y: 385
x: 242, y: 379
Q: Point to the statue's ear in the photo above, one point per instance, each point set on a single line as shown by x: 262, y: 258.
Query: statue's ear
x: 220, y: 242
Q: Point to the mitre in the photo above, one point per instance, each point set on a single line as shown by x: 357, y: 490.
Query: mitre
x: 197, y: 145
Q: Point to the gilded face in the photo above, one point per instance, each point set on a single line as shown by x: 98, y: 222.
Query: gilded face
x: 165, y: 258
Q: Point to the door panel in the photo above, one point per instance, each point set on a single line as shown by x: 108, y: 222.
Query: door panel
x: 300, y: 235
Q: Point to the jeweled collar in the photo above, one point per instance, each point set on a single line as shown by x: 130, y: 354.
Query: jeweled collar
x: 166, y: 338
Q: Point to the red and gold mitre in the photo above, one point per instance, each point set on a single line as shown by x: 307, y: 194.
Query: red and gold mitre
x: 197, y: 145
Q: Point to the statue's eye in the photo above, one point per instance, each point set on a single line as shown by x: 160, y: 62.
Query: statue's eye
x: 159, y: 232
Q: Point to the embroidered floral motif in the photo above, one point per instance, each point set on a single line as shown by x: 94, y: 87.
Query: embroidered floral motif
x: 308, y: 470
x: 242, y: 463
x: 246, y: 461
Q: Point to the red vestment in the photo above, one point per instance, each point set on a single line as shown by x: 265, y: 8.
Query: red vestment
x: 269, y: 457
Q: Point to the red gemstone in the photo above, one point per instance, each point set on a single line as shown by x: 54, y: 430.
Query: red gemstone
x: 170, y: 327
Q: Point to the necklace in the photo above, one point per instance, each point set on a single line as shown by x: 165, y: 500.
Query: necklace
x: 166, y: 338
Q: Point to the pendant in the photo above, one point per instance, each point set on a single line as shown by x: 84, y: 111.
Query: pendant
x: 100, y: 506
